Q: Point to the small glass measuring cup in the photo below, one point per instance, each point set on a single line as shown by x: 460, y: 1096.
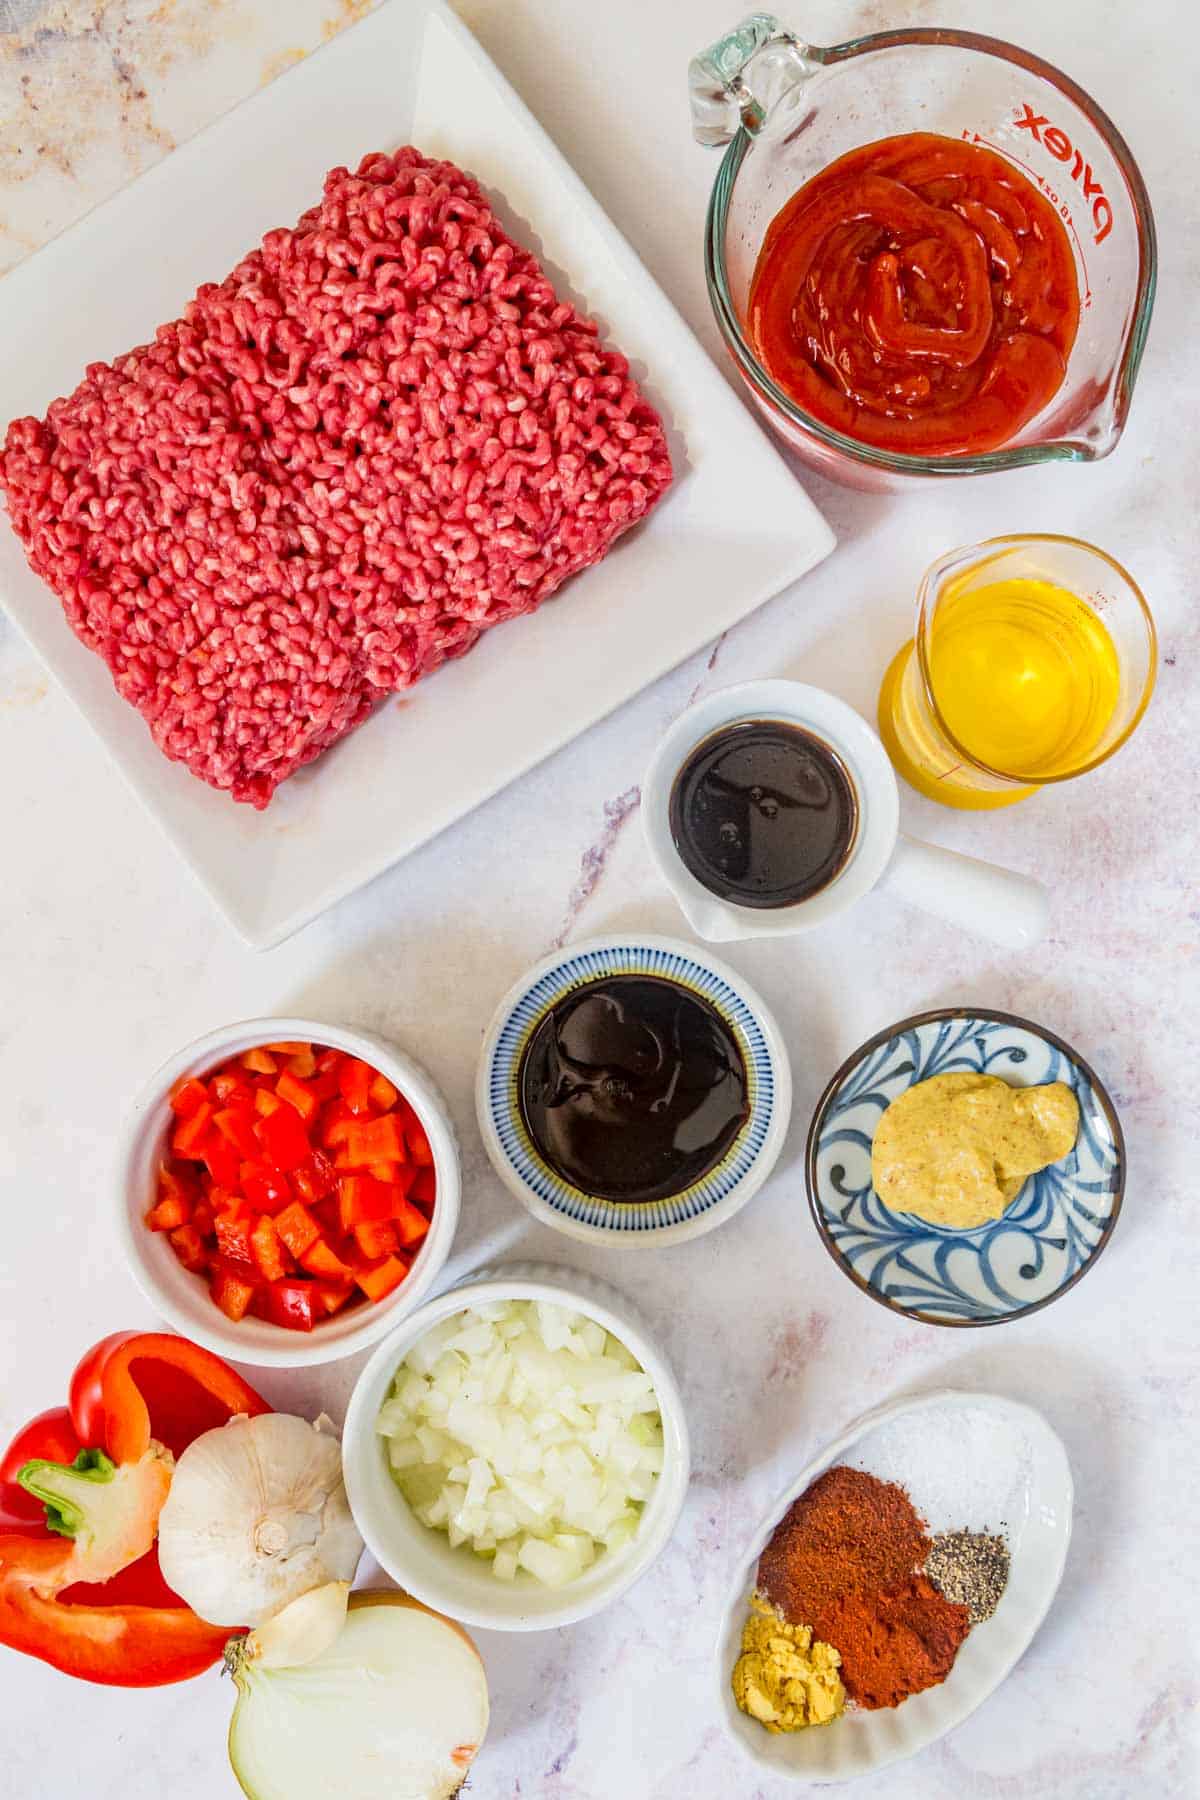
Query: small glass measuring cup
x: 787, y: 109
x: 912, y: 715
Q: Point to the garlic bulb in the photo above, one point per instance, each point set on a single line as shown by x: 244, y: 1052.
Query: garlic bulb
x: 256, y: 1516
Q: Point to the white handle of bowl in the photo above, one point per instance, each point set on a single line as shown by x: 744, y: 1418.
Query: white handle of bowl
x: 981, y: 897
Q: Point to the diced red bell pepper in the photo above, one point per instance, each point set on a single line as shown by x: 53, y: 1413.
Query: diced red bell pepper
x: 330, y: 1296
x: 409, y: 1223
x: 320, y: 1260
x: 187, y: 1097
x: 221, y: 1159
x: 290, y: 1304
x: 297, y: 1227
x: 384, y: 1094
x: 375, y: 1239
x: 169, y: 1214
x: 231, y: 1291
x: 233, y: 1237
x: 284, y: 1139
x: 324, y: 1087
x: 298, y: 1094
x: 189, y: 1133
x: 265, y: 1188
x: 236, y: 1125
x: 376, y: 1140
x: 188, y: 1246
x: 229, y: 1087
x: 313, y: 1180
x: 363, y: 1201
x: 176, y: 1179
x: 266, y: 1247
x: 354, y: 1080
x: 418, y: 1142
x: 336, y: 1120
x: 294, y: 1153
x: 331, y: 1228
x: 378, y: 1279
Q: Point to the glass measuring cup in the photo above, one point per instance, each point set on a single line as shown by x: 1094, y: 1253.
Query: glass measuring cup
x: 787, y: 109
x: 914, y: 703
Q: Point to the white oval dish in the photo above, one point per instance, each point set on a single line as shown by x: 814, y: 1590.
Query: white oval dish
x: 718, y: 1195
x: 181, y: 1297
x: 456, y: 1581
x: 971, y: 1462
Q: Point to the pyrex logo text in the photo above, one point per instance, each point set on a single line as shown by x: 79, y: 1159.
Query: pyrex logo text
x: 1059, y: 145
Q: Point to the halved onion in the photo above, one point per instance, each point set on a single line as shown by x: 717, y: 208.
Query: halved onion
x: 396, y: 1705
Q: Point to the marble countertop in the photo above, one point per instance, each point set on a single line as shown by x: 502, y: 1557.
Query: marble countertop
x: 108, y: 961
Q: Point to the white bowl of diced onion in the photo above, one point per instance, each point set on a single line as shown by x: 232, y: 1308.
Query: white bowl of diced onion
x: 572, y: 1466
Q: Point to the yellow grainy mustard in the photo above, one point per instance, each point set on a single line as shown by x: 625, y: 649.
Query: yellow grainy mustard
x: 956, y: 1149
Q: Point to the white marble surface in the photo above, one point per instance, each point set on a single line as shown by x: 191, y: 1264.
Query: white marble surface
x: 109, y: 958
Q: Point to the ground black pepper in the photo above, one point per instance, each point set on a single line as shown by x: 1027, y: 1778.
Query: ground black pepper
x: 970, y: 1568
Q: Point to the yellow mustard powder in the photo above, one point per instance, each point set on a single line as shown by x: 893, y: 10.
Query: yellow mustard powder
x: 957, y: 1148
x: 782, y: 1678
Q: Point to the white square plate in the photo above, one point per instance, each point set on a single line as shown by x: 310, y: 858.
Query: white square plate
x: 734, y: 530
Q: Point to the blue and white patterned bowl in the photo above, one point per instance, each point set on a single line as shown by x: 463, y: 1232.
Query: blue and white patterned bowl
x: 707, y: 1203
x: 1048, y: 1237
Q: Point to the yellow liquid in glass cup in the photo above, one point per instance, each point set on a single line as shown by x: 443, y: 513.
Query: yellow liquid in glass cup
x: 1033, y: 662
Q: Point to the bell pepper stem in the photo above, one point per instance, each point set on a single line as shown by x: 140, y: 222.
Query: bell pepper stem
x: 108, y: 1510
x: 57, y: 1486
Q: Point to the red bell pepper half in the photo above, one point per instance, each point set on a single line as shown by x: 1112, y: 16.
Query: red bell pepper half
x: 81, y: 1488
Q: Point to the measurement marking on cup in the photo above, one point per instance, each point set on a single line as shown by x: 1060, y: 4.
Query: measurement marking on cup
x: 977, y: 137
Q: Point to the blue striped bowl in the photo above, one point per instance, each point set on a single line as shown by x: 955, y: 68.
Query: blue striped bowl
x: 699, y: 1208
x: 1049, y: 1235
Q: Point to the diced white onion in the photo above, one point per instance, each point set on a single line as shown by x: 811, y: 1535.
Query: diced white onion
x: 527, y: 1433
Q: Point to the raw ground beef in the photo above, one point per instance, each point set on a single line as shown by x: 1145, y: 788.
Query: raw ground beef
x: 380, y: 435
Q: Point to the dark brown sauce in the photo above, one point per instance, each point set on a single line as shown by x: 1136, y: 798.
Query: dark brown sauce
x: 632, y: 1088
x: 763, y: 813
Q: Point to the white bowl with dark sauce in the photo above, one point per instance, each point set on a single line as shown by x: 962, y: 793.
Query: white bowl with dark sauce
x: 633, y: 1089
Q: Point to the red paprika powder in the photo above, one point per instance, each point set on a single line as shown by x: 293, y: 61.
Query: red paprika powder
x: 845, y: 1559
x: 895, y: 1642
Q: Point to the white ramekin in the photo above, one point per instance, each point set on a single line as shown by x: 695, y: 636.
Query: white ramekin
x: 456, y: 1581
x: 708, y: 1203
x: 182, y: 1297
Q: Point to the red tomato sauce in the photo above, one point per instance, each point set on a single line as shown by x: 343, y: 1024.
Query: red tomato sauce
x: 919, y: 295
